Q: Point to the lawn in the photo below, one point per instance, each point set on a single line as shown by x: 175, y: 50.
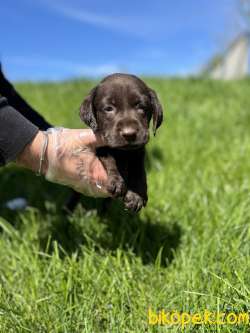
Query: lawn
x: 188, y: 251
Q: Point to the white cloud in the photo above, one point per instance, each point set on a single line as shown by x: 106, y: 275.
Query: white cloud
x: 136, y: 25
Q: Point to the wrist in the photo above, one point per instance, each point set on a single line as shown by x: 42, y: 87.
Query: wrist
x: 31, y: 155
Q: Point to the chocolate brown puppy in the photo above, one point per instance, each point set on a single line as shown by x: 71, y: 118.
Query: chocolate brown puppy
x: 120, y: 109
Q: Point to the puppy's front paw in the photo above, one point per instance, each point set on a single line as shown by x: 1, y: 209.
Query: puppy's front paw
x: 116, y: 186
x: 134, y: 202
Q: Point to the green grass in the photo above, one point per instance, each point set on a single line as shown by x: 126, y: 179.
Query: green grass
x: 187, y: 251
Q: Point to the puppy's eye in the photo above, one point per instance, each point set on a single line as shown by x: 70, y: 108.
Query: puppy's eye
x: 139, y: 106
x: 109, y: 108
x: 141, y: 109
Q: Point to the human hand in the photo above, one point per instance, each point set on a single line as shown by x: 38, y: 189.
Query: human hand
x: 71, y: 161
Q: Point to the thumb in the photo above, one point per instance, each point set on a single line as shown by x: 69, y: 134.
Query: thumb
x: 91, y: 139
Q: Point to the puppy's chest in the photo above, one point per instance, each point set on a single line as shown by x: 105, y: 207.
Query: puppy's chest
x: 121, y: 159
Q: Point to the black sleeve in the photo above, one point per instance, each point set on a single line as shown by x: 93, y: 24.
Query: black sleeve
x: 15, y: 132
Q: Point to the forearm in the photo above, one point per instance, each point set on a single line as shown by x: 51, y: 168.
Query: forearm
x: 16, y: 132
x: 69, y: 155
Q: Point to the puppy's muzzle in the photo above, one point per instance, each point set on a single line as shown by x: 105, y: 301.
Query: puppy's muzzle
x: 128, y: 130
x: 129, y: 134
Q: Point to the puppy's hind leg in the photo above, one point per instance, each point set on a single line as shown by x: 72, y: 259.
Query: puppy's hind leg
x: 72, y: 202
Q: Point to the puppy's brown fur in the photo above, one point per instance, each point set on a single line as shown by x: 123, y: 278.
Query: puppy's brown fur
x: 120, y: 109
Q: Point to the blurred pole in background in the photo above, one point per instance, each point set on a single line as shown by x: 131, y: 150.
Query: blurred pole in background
x: 245, y: 12
x: 233, y: 63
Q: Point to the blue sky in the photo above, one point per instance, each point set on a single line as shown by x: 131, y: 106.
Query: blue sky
x: 60, y: 39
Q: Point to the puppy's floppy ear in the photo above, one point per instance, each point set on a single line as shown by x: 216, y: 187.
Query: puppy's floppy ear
x: 87, y: 110
x: 157, y: 110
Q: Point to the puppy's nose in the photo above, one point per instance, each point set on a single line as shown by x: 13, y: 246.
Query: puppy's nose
x: 129, y: 134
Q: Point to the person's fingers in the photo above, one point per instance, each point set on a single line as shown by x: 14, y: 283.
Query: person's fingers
x: 97, y: 171
x: 72, y: 161
x: 100, y: 140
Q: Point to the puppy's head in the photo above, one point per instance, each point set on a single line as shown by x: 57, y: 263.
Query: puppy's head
x: 120, y: 108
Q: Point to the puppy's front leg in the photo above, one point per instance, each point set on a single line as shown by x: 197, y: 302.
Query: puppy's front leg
x: 136, y: 196
x: 116, y: 185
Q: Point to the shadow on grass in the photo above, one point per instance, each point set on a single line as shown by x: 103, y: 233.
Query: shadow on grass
x: 152, y: 241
